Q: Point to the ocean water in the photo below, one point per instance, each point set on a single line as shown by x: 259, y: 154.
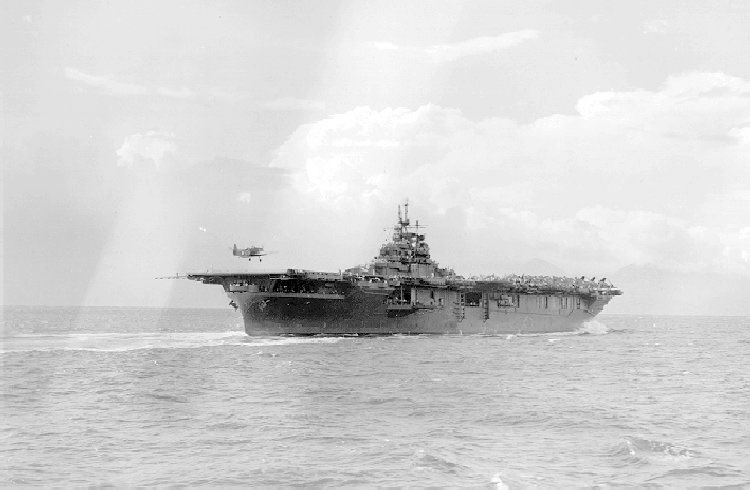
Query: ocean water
x: 127, y: 396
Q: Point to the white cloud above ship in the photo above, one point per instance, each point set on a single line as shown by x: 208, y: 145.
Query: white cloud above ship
x: 624, y: 169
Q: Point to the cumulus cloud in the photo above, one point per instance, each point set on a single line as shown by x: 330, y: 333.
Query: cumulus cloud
x: 694, y: 105
x: 147, y: 149
x: 567, y: 188
x: 741, y: 134
x: 470, y: 47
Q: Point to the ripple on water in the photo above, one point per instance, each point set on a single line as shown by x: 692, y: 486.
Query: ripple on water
x: 159, y: 404
x: 639, y: 450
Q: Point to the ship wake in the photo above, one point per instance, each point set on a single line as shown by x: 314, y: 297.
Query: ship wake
x: 121, y: 342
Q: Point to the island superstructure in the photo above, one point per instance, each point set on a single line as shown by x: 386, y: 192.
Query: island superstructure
x: 403, y: 291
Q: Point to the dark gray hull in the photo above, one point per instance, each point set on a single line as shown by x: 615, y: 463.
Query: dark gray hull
x: 367, y: 313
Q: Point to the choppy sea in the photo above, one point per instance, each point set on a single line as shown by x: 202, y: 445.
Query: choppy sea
x: 148, y: 397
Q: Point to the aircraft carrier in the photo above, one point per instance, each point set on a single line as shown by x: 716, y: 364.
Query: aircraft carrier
x: 403, y: 291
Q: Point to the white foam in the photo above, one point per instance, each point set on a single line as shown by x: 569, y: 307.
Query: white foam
x: 498, y: 482
x: 120, y: 342
x: 594, y: 327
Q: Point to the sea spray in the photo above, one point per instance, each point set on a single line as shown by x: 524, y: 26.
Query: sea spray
x: 594, y: 327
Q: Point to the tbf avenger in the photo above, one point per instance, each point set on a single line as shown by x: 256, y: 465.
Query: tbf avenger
x: 249, y: 252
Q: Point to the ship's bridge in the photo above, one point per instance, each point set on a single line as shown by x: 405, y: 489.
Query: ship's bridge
x: 407, y: 254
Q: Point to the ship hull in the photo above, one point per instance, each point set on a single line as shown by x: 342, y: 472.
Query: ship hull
x: 369, y: 314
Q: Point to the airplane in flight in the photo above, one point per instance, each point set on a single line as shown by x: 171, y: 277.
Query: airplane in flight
x: 249, y: 252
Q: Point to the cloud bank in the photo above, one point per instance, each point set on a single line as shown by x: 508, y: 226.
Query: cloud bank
x: 573, y: 189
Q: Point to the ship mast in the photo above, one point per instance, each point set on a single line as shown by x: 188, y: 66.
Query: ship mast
x: 408, y: 254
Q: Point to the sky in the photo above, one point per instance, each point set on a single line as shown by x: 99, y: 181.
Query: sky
x: 142, y: 139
